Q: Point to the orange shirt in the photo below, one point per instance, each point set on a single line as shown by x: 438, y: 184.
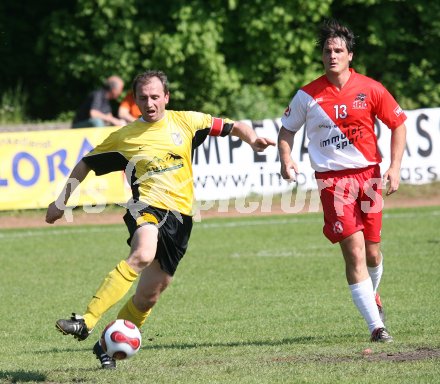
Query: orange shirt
x: 129, y: 103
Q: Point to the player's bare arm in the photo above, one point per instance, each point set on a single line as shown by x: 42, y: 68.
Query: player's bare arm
x: 107, y: 117
x: 55, y: 210
x: 285, y: 146
x: 248, y: 135
x: 124, y: 114
x: 398, y: 142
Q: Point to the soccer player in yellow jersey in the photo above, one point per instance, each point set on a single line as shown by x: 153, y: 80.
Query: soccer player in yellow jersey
x: 155, y: 152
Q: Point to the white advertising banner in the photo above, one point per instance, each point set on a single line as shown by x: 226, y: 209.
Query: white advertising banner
x: 34, y: 165
x: 228, y: 168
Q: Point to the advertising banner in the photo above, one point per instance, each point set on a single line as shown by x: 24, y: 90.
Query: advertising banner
x: 227, y: 168
x: 34, y: 166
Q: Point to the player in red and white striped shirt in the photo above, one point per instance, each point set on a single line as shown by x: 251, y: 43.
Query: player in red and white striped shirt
x: 338, y: 111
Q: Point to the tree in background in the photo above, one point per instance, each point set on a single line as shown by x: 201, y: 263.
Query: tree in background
x: 243, y: 58
x: 22, y: 68
x: 396, y: 46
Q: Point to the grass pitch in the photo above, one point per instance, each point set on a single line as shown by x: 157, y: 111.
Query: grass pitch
x: 255, y: 300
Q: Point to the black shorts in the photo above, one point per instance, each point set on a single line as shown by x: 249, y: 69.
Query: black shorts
x: 174, y: 232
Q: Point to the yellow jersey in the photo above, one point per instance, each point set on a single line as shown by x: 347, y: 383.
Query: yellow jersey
x: 156, y: 157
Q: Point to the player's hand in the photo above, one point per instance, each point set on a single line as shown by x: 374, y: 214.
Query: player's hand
x: 53, y: 213
x: 393, y: 177
x: 261, y: 143
x: 289, y: 171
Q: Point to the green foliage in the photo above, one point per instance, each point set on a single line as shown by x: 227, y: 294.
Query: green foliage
x: 255, y: 300
x: 13, y: 105
x: 226, y: 57
x: 396, y: 46
x: 65, y: 116
x: 190, y: 53
x: 258, y: 99
x: 92, y: 43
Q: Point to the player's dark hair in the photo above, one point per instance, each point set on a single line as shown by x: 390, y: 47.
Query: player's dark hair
x: 331, y: 29
x: 146, y: 76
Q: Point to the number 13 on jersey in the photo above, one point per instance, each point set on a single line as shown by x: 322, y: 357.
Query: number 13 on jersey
x: 340, y: 111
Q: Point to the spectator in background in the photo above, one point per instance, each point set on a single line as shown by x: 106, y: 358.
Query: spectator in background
x: 128, y: 110
x: 96, y: 110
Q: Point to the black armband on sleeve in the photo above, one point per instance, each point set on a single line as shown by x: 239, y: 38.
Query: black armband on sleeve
x: 227, y: 128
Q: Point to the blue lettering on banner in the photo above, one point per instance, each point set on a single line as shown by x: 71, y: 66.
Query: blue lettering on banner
x: 86, y: 147
x: 56, y: 161
x: 61, y: 155
x: 15, y: 166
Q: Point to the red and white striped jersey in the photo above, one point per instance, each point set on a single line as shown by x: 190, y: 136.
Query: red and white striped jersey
x: 340, y: 123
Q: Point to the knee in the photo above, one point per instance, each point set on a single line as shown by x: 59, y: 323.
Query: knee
x: 355, y: 256
x: 140, y: 258
x: 374, y: 257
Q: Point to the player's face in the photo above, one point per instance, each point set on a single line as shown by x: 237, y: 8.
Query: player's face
x: 151, y: 100
x: 335, y: 56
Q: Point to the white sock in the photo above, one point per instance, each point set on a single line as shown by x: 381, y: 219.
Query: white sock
x: 376, y: 274
x: 363, y: 297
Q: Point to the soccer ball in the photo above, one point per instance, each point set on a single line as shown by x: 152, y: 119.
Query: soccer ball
x: 121, y: 339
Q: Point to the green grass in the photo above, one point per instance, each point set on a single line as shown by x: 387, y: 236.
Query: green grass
x: 255, y: 300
